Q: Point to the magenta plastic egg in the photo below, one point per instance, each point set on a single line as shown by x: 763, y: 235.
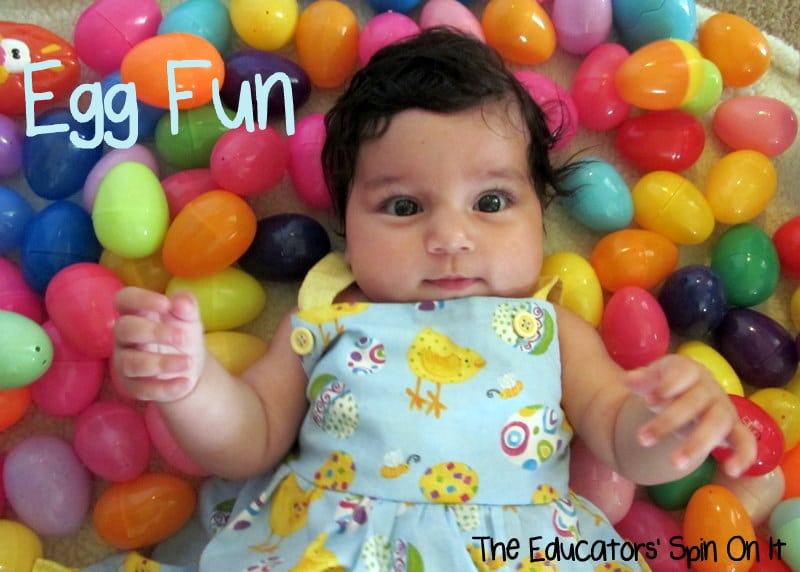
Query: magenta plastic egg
x: 581, y: 24
x: 634, y: 328
x: 11, y: 137
x: 740, y: 185
x: 450, y: 13
x: 136, y: 153
x: 668, y: 140
x: 46, y: 485
x: 305, y: 164
x: 592, y: 479
x: 594, y: 90
x: 80, y: 302
x: 249, y: 163
x: 111, y: 439
x: 645, y: 522
x: 381, y: 30
x: 16, y: 295
x: 108, y: 29
x: 756, y: 122
x: 166, y: 446
x: 556, y: 103
x: 73, y: 380
x: 184, y: 186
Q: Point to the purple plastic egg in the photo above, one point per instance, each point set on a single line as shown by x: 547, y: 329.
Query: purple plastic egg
x: 46, y: 485
x: 693, y: 299
x: 760, y: 350
x: 11, y: 137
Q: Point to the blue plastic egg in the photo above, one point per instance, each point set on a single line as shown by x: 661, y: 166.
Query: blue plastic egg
x: 147, y: 116
x: 600, y: 198
x: 393, y: 5
x: 693, y: 299
x: 15, y: 212
x: 639, y: 22
x: 208, y: 19
x: 26, y: 351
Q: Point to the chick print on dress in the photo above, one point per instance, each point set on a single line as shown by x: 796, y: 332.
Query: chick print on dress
x: 524, y: 325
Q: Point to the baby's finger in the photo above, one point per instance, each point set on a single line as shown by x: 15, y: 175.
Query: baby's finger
x: 132, y: 330
x: 745, y: 450
x: 709, y: 431
x: 132, y: 300
x: 139, y: 365
x: 184, y: 307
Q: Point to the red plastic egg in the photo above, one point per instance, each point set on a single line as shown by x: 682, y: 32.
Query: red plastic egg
x: 249, y: 163
x: 787, y: 244
x: 634, y: 328
x: 668, y: 140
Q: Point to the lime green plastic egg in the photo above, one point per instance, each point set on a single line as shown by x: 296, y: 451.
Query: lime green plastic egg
x: 26, y: 351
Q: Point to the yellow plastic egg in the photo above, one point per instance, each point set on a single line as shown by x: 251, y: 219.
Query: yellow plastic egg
x: 795, y: 309
x: 722, y: 371
x: 147, y: 272
x: 520, y: 30
x: 236, y: 351
x: 264, y: 24
x: 19, y: 547
x: 740, y: 185
x: 784, y: 407
x: 580, y: 289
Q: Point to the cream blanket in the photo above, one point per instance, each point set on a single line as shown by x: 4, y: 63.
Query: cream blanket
x: 562, y: 233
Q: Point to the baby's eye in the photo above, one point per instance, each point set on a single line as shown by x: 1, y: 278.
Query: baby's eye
x: 492, y: 202
x: 401, y: 206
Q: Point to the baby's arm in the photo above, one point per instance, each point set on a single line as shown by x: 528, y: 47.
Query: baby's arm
x: 233, y: 427
x: 612, y: 410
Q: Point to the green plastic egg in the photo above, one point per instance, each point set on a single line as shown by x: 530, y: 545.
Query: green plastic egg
x: 747, y: 263
x: 26, y: 351
x: 675, y: 495
x: 198, y: 131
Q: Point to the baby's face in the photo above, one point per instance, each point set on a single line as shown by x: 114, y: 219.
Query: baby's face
x: 442, y: 207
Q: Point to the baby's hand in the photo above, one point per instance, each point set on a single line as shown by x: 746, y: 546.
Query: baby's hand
x: 690, y: 403
x: 159, y: 350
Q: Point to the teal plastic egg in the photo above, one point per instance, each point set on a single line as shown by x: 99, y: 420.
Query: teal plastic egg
x: 26, y: 351
x: 747, y: 263
x: 600, y: 199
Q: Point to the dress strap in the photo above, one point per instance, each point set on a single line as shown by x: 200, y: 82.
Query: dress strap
x: 548, y: 288
x: 326, y: 279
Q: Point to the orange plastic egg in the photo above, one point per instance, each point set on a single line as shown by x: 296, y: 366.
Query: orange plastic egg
x: 633, y: 257
x: 790, y: 465
x: 327, y: 42
x: 520, y: 30
x: 716, y: 531
x: 736, y: 47
x: 740, y: 185
x: 211, y: 232
x: 14, y: 403
x: 141, y: 512
x: 758, y: 494
x: 146, y: 66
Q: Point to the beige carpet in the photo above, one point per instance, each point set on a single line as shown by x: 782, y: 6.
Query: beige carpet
x: 778, y: 17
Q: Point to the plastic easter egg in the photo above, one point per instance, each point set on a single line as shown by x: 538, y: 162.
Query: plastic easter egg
x: 305, y: 160
x: 719, y: 367
x: 25, y: 350
x: 111, y: 439
x: 80, y: 302
x: 737, y: 48
x: 594, y: 89
x: 256, y: 67
x: 639, y: 22
x: 664, y: 74
x: 600, y: 198
x: 761, y: 351
x: 580, y: 289
x: 693, y: 299
x: 393, y: 5
x: 740, y: 185
x: 210, y: 233
x: 2, y: 490
x: 708, y: 92
x: 787, y: 245
x: 746, y: 261
x: 14, y: 403
x: 633, y: 257
x: 581, y: 25
x: 327, y: 42
x: 674, y: 495
x: 236, y: 351
x: 784, y: 408
x: 757, y: 122
x: 182, y: 187
x: 146, y: 116
x: 646, y: 523
x: 145, y: 65
x: 130, y: 213
x: 384, y: 29
x: 794, y: 308
x: 10, y: 146
x: 594, y: 480
x: 561, y: 115
x: 228, y: 299
x: 285, y: 247
x: 147, y: 272
x: 667, y: 140
x: 790, y: 466
x: 758, y: 494
x: 107, y: 29
x: 72, y: 382
x: 15, y: 212
x: 634, y: 328
x: 166, y: 446
x: 770, y: 561
x: 521, y: 31
x: 136, y: 153
x: 25, y: 44
x: 669, y: 204
x: 715, y: 514
x: 264, y: 29
x: 784, y: 523
x: 249, y: 163
x: 57, y: 236
x: 46, y: 485
x: 144, y: 511
x: 16, y: 295
x: 450, y: 13
x: 198, y: 131
x: 208, y: 19
x: 55, y: 168
x: 20, y: 547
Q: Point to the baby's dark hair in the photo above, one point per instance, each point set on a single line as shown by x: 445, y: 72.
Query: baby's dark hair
x: 440, y: 70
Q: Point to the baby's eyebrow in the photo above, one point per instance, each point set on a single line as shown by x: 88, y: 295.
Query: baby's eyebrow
x: 380, y: 182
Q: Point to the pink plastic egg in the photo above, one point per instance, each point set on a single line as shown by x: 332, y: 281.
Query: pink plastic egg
x: 136, y: 153
x: 73, y: 380
x: 305, y: 166
x: 756, y: 122
x: 166, y: 446
x: 646, y: 523
x: 450, y: 13
x: 581, y: 24
x: 594, y: 480
x: 249, y: 163
x: 634, y: 327
x: 184, y: 186
x: 556, y: 103
x: 111, y: 439
x: 594, y: 90
x: 16, y: 295
x: 80, y: 302
x: 381, y: 30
